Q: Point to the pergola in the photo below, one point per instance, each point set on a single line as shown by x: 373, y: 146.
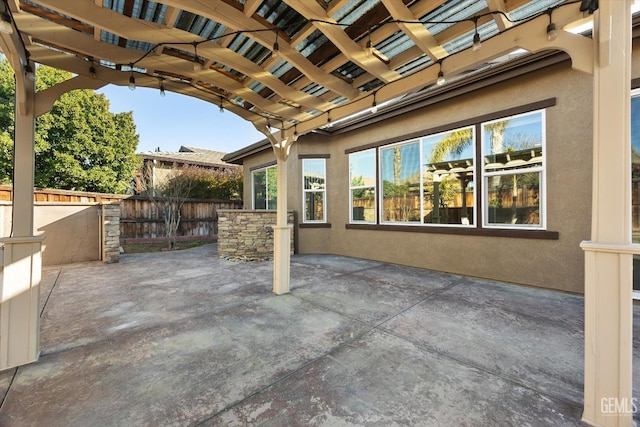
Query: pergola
x: 297, y: 66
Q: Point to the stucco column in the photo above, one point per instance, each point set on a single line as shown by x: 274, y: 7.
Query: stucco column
x: 608, y: 256
x: 21, y: 252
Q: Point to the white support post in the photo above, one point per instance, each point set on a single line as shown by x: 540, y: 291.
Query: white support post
x: 608, y: 256
x: 21, y: 252
x: 282, y: 234
x: 282, y: 231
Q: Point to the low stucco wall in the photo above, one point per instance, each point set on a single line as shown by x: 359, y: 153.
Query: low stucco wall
x: 73, y: 231
x: 247, y: 235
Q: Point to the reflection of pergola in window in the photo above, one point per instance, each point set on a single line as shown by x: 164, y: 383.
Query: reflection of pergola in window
x: 514, y: 159
x: 459, y: 169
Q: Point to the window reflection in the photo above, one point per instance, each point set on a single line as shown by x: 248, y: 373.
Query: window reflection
x: 362, y: 186
x: 265, y: 188
x: 513, y: 169
x: 448, y: 177
x: 314, y: 189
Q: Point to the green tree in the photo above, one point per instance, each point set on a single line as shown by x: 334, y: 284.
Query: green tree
x: 223, y: 184
x: 79, y: 144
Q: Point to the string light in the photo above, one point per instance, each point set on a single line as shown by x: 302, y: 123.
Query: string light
x: 92, y: 71
x: 476, y: 37
x: 276, y: 48
x: 162, y: 92
x: 29, y: 73
x: 368, y: 48
x: 374, y: 105
x: 5, y: 24
x: 441, y: 80
x: 196, y: 62
x: 221, y: 106
x: 552, y: 33
x: 132, y: 80
x: 295, y: 133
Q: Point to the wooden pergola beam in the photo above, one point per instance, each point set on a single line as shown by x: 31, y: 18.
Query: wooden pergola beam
x: 416, y: 32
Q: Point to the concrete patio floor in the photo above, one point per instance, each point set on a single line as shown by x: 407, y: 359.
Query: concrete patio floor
x: 185, y: 338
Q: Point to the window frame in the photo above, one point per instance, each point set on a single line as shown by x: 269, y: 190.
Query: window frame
x: 364, y: 187
x: 381, y: 199
x: 266, y: 181
x: 478, y: 227
x: 474, y: 142
x: 542, y: 199
x: 312, y: 191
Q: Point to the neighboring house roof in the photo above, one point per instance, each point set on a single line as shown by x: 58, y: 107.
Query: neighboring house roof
x: 190, y: 155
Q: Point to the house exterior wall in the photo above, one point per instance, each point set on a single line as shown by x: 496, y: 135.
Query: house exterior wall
x: 548, y: 263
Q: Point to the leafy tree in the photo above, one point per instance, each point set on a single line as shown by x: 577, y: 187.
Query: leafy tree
x: 79, y: 144
x: 168, y: 197
x: 223, y: 184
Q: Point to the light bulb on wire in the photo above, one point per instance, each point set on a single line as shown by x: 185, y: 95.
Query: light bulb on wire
x: 197, y: 66
x: 276, y: 48
x: 552, y: 33
x: 132, y: 80
x: 441, y: 79
x: 476, y: 37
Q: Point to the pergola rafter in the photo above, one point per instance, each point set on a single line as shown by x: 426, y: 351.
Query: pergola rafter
x: 323, y: 71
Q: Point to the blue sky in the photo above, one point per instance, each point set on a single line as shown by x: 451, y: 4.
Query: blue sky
x: 177, y: 120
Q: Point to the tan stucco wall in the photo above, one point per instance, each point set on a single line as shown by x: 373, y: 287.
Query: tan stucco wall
x: 73, y: 231
x: 556, y: 264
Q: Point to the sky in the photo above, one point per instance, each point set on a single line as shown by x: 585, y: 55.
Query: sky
x: 174, y: 120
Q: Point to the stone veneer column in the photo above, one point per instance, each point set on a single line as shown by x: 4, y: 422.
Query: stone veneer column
x: 110, y: 232
x: 247, y: 235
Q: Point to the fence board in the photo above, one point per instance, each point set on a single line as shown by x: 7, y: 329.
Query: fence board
x: 139, y: 219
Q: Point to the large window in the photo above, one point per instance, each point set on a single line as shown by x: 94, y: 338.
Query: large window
x: 513, y: 170
x: 314, y: 190
x: 448, y: 177
x: 433, y: 180
x: 362, y: 186
x: 400, y: 174
x: 429, y: 180
x: 265, y: 187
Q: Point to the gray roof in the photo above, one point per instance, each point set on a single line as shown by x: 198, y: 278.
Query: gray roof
x: 189, y: 155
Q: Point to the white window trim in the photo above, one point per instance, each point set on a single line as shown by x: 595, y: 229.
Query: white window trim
x: 474, y: 208
x: 543, y: 178
x: 351, y: 188
x: 420, y: 142
x: 323, y: 191
x: 381, y: 183
x: 266, y: 183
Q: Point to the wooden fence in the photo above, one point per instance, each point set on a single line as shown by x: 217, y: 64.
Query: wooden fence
x: 139, y: 221
x: 63, y: 196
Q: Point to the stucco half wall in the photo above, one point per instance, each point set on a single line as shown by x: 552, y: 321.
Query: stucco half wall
x: 73, y: 231
x: 556, y: 263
